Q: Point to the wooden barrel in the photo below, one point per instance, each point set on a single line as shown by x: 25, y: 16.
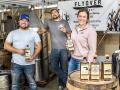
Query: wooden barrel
x: 5, y: 59
x: 74, y: 83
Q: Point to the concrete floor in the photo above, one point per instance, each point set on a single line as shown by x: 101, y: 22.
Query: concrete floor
x: 52, y: 85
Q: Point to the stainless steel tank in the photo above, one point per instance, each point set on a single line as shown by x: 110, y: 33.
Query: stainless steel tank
x: 38, y: 71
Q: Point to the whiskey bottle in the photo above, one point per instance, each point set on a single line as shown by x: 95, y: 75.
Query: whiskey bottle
x: 84, y: 69
x: 107, y: 68
x: 70, y: 46
x: 27, y: 52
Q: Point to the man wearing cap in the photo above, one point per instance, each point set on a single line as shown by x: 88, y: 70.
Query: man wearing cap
x: 59, y: 30
x: 16, y: 42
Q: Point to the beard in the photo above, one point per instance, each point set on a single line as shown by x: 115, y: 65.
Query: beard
x: 24, y: 27
x: 55, y: 17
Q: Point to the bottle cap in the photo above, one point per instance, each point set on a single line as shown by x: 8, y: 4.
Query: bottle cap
x: 107, y: 56
x: 95, y: 56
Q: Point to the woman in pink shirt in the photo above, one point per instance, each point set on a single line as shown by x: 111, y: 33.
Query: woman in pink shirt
x: 84, y: 38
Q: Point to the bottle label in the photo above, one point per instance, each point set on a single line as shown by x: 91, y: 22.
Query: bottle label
x: 70, y: 46
x: 27, y: 52
x: 60, y: 26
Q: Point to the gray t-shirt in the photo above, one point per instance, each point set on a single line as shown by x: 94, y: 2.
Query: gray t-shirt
x: 20, y: 39
x: 58, y: 38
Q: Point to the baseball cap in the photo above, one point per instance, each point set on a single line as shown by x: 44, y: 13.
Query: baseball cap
x: 24, y: 16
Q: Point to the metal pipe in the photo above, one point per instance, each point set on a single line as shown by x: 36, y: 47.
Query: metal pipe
x: 43, y: 16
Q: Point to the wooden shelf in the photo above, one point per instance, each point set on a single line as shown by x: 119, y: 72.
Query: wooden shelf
x: 113, y: 32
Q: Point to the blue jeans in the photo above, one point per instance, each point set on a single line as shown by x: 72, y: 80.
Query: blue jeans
x: 59, y: 64
x: 74, y: 64
x: 18, y: 71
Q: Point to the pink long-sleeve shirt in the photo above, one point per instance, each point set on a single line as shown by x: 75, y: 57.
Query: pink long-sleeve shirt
x: 84, y: 42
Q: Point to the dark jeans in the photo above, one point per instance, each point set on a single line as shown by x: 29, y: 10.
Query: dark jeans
x: 59, y: 64
x: 18, y: 71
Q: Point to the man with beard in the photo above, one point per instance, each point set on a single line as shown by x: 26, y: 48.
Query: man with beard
x: 59, y: 30
x: 16, y: 42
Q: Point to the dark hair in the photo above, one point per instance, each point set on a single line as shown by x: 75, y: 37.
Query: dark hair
x: 54, y: 9
x: 84, y: 10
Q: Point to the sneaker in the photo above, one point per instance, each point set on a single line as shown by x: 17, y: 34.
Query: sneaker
x: 60, y: 88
